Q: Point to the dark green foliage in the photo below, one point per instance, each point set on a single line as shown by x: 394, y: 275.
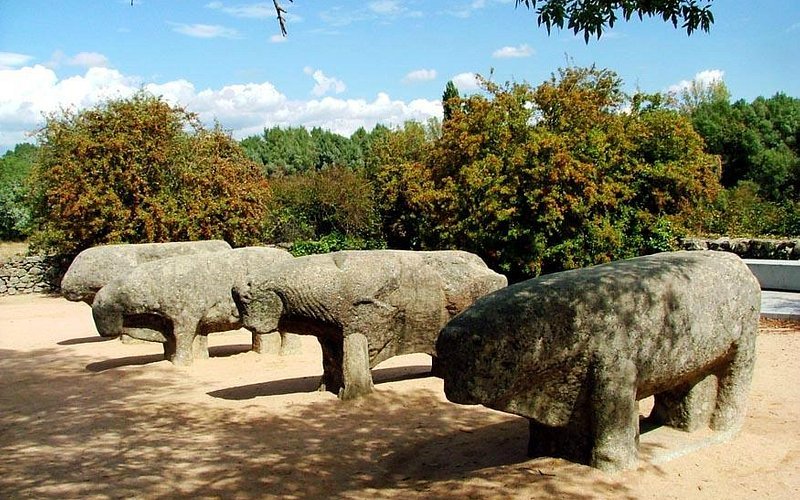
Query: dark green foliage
x: 758, y: 146
x: 15, y: 213
x: 334, y: 242
x: 450, y: 98
x: 757, y: 142
x: 139, y: 170
x: 741, y: 212
x: 295, y: 150
x: 402, y: 178
x: 592, y: 17
x: 315, y: 204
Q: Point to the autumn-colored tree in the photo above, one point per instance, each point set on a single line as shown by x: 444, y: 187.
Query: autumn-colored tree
x: 404, y: 183
x: 140, y: 170
x: 553, y: 177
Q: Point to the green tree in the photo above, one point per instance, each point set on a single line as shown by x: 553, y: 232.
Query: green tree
x: 699, y: 93
x: 450, y: 97
x: 314, y: 204
x: 756, y: 141
x: 294, y: 150
x: 334, y: 149
x: 139, y: 170
x: 282, y: 151
x: 15, y: 213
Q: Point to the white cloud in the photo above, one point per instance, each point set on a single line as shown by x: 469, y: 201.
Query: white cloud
x: 324, y: 83
x: 204, y: 30
x: 385, y: 7
x: 468, y: 8
x: 420, y: 75
x: 378, y: 10
x: 702, y: 79
x: 466, y: 82
x: 28, y: 93
x: 346, y: 116
x: 256, y: 10
x: 10, y: 60
x: 88, y: 60
x: 277, y: 38
x: 260, y: 10
x: 508, y: 52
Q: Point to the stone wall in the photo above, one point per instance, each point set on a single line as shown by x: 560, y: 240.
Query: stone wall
x: 748, y: 248
x: 32, y: 274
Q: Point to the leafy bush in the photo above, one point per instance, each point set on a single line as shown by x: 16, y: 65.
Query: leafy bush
x: 139, y: 170
x: 334, y: 242
x: 332, y: 201
x: 549, y: 178
x: 742, y: 212
x: 15, y: 213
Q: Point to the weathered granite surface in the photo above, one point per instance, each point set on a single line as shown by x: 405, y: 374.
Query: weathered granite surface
x: 180, y: 300
x: 93, y: 268
x: 574, y: 351
x: 364, y: 306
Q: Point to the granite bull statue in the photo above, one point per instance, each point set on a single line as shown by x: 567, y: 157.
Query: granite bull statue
x: 574, y: 352
x: 94, y: 267
x: 365, y: 306
x: 178, y: 301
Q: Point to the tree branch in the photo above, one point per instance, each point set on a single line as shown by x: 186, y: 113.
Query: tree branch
x: 281, y: 15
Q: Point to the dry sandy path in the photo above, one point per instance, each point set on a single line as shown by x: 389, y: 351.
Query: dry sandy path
x: 81, y: 417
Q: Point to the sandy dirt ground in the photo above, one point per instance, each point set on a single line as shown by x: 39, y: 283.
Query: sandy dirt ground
x: 86, y: 417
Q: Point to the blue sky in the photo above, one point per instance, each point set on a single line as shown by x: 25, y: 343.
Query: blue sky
x: 347, y: 64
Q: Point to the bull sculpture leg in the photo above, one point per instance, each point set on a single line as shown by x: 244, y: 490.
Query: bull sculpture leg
x: 614, y: 415
x: 345, y: 364
x: 267, y: 343
x: 290, y: 344
x: 277, y: 343
x: 734, y: 381
x: 185, y: 345
x: 356, y: 374
x: 687, y: 408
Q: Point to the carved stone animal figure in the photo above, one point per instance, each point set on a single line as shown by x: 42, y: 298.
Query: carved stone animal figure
x: 180, y: 300
x: 93, y: 268
x: 365, y: 306
x: 574, y: 352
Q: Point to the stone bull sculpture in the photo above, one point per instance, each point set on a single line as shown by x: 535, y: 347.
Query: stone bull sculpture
x: 94, y: 267
x: 365, y: 306
x: 178, y: 301
x: 574, y: 352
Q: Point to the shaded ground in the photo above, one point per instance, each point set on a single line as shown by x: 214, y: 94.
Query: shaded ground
x: 81, y: 417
